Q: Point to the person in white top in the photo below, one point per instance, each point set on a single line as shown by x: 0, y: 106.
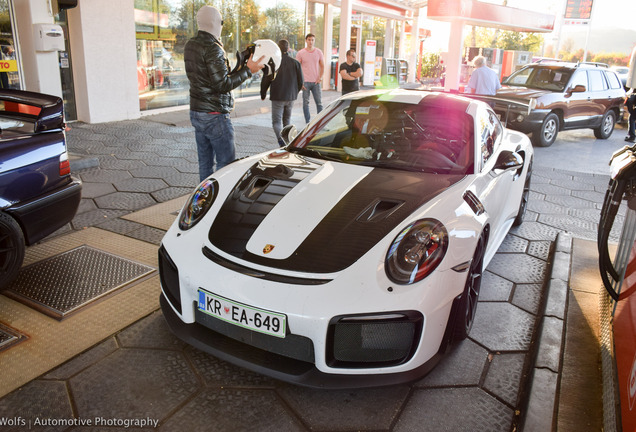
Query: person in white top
x: 483, y: 80
x: 313, y: 66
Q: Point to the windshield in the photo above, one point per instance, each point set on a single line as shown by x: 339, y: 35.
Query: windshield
x: 391, y: 135
x: 541, y: 77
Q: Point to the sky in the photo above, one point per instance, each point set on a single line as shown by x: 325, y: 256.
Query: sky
x: 606, y: 14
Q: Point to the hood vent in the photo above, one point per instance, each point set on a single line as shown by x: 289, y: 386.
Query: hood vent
x: 474, y: 203
x: 379, y: 209
x: 256, y: 188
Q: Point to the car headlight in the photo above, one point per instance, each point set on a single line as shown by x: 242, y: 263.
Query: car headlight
x: 416, y: 251
x: 198, y: 204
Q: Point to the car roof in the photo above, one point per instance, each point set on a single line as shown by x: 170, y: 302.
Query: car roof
x: 570, y: 65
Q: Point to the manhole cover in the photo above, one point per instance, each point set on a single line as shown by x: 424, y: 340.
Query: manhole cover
x: 64, y: 283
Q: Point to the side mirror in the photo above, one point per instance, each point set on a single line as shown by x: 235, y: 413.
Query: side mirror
x: 508, y: 160
x: 288, y: 133
x: 579, y: 88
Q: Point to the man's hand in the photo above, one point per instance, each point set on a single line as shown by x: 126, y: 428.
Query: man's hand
x: 255, y: 66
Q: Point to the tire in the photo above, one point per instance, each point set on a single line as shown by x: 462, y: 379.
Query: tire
x: 546, y: 136
x: 11, y: 249
x: 524, y: 198
x: 604, y: 131
x: 464, y: 308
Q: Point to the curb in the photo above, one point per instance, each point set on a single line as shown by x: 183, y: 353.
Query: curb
x: 546, y: 372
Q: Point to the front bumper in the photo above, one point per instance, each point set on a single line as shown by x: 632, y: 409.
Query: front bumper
x: 528, y: 124
x: 277, y: 366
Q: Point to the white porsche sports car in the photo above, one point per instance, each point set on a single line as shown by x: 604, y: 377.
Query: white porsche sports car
x: 353, y: 256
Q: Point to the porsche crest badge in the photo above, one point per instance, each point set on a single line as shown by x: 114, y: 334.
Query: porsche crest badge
x: 268, y: 248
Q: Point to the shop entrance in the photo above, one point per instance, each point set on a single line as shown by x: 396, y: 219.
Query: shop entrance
x: 10, y: 76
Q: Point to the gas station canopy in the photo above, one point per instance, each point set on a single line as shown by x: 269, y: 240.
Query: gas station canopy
x: 477, y: 13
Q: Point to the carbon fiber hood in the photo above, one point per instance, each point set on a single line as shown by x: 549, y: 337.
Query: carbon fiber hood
x: 294, y: 213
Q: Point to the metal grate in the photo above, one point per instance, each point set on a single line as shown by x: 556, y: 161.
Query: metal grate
x: 64, y: 283
x: 9, y: 337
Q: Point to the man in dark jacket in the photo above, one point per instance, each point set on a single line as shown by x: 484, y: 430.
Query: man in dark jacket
x: 284, y: 89
x: 211, y: 84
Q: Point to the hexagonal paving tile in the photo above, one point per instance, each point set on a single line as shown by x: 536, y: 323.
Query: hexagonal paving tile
x: 463, y: 365
x: 535, y: 231
x: 502, y: 327
x: 217, y: 410
x: 528, y: 297
x: 99, y: 175
x: 151, y: 332
x: 370, y: 409
x: 133, y: 383
x: 512, y: 244
x: 125, y: 201
x: 518, y: 268
x: 436, y: 410
x: 217, y: 373
x: 504, y: 376
x: 494, y: 288
x: 37, y: 400
x: 140, y: 185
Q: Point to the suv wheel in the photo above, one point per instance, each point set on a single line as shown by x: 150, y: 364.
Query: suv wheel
x: 607, y: 126
x: 546, y: 136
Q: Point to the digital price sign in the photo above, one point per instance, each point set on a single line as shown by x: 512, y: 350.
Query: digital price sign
x: 578, y: 9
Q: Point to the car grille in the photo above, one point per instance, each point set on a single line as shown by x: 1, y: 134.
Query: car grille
x: 292, y: 346
x: 375, y: 340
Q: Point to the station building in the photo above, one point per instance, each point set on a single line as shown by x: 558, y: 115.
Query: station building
x: 114, y: 60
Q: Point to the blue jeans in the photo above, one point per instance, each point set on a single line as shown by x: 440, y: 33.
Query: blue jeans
x: 214, y: 135
x: 315, y: 89
x: 281, y: 117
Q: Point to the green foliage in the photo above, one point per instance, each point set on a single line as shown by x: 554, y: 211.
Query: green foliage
x: 508, y: 40
x: 430, y: 64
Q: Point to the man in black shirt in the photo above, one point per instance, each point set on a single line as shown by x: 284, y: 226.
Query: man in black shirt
x: 284, y: 89
x: 350, y: 72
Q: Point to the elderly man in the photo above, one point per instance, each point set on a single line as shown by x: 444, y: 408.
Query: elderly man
x: 483, y: 80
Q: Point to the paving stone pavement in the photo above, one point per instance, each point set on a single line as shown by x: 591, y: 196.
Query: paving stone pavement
x: 144, y: 372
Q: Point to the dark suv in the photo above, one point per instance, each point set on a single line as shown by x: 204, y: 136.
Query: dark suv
x: 548, y: 97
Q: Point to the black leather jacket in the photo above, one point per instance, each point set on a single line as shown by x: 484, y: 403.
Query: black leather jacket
x: 208, y: 70
x: 288, y: 82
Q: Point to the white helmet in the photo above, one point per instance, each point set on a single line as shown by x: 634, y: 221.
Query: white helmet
x: 271, y: 51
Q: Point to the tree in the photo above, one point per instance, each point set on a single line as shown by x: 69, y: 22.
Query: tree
x: 284, y: 22
x: 503, y: 39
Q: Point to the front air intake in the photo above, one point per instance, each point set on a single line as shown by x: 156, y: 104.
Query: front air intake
x: 373, y: 340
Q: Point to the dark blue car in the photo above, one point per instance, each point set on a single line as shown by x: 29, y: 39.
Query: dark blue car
x: 38, y: 195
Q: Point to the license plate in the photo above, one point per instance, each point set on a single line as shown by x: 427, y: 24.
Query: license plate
x: 242, y: 315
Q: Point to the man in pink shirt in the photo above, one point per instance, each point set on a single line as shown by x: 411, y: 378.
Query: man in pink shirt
x: 313, y: 65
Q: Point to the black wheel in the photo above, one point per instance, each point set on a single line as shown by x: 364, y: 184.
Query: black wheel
x: 524, y: 198
x: 546, y: 136
x: 604, y: 131
x: 465, y: 307
x: 11, y: 249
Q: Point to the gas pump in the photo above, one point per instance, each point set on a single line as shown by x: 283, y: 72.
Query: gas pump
x: 619, y: 278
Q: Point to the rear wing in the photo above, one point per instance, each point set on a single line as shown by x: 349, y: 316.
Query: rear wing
x: 45, y: 111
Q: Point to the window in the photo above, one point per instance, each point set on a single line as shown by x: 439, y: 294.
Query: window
x: 597, y: 81
x: 580, y: 78
x: 613, y: 80
x: 489, y: 131
x: 164, y: 26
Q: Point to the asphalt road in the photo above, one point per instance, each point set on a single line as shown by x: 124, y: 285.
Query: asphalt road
x: 580, y: 151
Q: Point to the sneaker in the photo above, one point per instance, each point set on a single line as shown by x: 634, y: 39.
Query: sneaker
x: 630, y: 138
